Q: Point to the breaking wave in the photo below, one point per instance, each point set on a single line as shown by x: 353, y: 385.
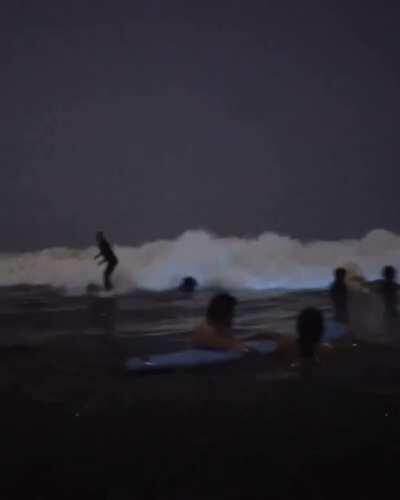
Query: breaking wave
x: 266, y: 262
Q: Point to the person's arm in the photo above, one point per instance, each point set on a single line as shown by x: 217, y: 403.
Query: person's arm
x: 101, y: 251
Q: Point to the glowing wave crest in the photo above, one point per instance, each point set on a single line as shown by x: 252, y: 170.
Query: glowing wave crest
x: 269, y: 261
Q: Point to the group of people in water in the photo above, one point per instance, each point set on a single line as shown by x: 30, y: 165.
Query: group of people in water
x: 216, y: 331
x: 387, y: 289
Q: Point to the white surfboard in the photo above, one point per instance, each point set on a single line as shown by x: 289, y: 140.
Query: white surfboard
x: 195, y: 357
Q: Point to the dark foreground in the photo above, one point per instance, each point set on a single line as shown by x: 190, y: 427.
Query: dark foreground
x: 74, y: 425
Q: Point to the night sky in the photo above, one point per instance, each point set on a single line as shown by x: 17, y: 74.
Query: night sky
x: 146, y: 119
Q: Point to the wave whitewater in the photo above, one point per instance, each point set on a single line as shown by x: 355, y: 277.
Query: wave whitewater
x: 267, y: 262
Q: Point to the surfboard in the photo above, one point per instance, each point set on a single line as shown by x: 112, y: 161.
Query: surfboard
x: 195, y: 357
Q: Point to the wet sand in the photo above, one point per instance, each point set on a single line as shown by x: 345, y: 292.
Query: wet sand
x: 76, y: 425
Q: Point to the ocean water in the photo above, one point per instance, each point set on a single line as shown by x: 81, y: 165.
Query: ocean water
x: 268, y: 262
x: 43, y: 294
x: 156, y: 321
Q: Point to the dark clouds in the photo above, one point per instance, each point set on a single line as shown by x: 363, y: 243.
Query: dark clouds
x: 151, y: 118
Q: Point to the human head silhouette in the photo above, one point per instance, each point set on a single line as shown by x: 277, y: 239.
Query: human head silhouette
x: 188, y: 284
x: 310, y: 327
x: 389, y: 273
x: 340, y: 274
x: 221, y: 310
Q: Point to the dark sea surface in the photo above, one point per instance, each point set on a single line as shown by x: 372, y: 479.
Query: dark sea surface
x: 153, y: 321
x: 76, y: 424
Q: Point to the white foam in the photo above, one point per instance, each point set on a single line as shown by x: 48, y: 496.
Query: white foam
x: 365, y: 306
x: 269, y: 261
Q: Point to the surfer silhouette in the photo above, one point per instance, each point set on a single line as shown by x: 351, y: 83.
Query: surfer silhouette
x: 108, y: 256
x: 338, y: 294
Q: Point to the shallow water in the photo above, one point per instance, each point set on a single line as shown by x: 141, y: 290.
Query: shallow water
x: 31, y: 313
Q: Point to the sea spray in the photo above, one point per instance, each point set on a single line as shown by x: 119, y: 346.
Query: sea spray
x: 269, y: 261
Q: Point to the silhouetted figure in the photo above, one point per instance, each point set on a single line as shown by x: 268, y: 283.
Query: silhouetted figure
x: 188, y: 284
x: 106, y: 252
x: 388, y: 291
x: 339, y: 295
x: 310, y: 327
x: 216, y: 333
x: 221, y: 310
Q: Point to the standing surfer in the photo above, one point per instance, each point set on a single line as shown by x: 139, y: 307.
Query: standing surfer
x: 106, y: 252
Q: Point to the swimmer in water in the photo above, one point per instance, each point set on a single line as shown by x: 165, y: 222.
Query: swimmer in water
x: 215, y: 332
x: 310, y: 327
x: 188, y: 285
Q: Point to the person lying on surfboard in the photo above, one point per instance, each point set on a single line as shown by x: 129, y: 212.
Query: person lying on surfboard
x: 215, y: 332
x: 108, y: 256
